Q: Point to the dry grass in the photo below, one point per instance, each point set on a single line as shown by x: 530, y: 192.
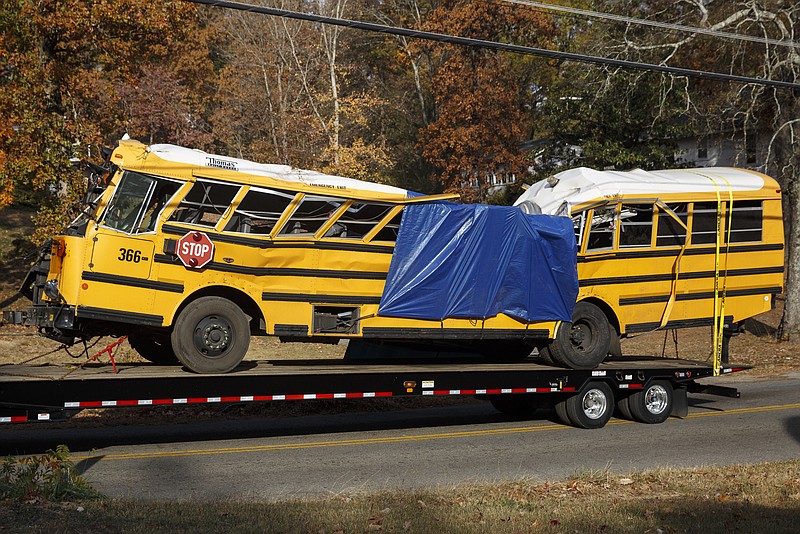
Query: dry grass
x: 762, y: 498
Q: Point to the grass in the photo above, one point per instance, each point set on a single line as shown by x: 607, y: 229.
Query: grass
x: 739, y: 498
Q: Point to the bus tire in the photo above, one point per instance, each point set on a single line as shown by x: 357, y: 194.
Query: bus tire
x: 154, y: 346
x: 211, y: 335
x: 653, y: 404
x: 592, y: 407
x: 519, y: 405
x: 583, y: 343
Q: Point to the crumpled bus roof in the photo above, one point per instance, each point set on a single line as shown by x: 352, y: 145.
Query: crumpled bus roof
x: 578, y: 186
x: 193, y: 158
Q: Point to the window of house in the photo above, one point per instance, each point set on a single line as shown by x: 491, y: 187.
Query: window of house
x: 751, y: 148
x: 702, y: 148
x: 601, y: 233
x: 746, y: 221
x: 309, y: 216
x: 258, y: 211
x: 205, y: 204
x: 670, y: 233
x: 636, y: 225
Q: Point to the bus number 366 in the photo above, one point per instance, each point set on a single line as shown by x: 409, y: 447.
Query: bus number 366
x: 128, y: 254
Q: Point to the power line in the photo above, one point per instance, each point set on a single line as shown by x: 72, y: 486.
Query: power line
x: 654, y: 23
x: 492, y: 45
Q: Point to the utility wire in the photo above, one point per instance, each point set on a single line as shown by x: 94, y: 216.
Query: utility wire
x: 492, y: 45
x: 654, y: 23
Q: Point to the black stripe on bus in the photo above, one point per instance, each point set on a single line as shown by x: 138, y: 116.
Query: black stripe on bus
x: 327, y: 299
x: 631, y: 301
x: 665, y: 253
x: 103, y: 314
x: 268, y: 243
x: 454, y: 333
x: 683, y: 276
x: 278, y: 271
x: 131, y: 282
x: 683, y: 323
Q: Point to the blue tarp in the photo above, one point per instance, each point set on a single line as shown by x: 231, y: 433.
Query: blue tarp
x: 476, y: 261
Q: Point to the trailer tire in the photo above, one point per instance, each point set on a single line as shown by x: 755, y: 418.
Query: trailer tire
x: 583, y: 343
x: 519, y: 405
x: 624, y: 408
x: 154, y: 346
x: 592, y: 407
x: 561, y: 412
x: 211, y: 335
x: 653, y: 404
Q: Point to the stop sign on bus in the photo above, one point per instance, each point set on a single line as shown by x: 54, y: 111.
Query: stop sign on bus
x: 195, y: 249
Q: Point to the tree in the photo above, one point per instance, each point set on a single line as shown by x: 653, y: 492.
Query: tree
x: 478, y: 115
x: 710, y: 106
x: 80, y: 73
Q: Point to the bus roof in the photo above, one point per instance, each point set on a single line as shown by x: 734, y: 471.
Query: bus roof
x: 573, y: 187
x: 137, y: 156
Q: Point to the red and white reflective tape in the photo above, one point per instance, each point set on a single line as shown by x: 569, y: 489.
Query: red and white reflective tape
x: 24, y: 418
x: 235, y: 398
x: 495, y: 391
x: 631, y: 386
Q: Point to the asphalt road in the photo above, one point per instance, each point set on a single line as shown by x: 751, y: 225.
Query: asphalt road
x: 412, y: 448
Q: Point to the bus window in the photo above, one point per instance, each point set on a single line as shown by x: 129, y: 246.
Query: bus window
x: 390, y: 230
x: 704, y: 223
x: 601, y: 233
x: 746, y: 221
x: 205, y: 204
x: 669, y: 232
x: 309, y: 216
x: 358, y: 219
x: 137, y: 202
x: 258, y: 211
x: 579, y: 222
x: 636, y: 225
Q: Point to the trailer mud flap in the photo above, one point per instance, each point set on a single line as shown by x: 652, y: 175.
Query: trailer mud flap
x: 680, y: 403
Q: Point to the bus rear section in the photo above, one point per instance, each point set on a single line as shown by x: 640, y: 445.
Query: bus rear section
x: 668, y: 249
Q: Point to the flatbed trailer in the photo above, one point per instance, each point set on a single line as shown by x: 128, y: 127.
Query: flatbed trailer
x: 644, y: 389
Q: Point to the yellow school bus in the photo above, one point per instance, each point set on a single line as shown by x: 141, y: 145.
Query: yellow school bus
x: 664, y: 249
x: 189, y: 254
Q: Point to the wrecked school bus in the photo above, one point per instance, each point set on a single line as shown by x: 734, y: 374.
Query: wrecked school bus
x: 189, y: 254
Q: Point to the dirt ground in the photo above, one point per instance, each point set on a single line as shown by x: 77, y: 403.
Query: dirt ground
x: 757, y: 346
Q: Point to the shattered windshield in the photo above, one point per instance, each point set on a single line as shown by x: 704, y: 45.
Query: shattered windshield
x: 137, y: 202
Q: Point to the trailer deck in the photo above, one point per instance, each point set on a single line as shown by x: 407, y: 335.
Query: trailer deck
x: 46, y: 392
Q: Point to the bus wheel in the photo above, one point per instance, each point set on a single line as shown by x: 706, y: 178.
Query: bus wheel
x: 592, y: 407
x: 653, y: 404
x: 211, y: 335
x: 582, y: 344
x: 519, y: 405
x: 153, y: 345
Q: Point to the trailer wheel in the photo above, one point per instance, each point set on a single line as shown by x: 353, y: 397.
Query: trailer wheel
x: 211, y: 335
x: 154, y: 346
x: 592, y: 407
x: 653, y: 404
x: 519, y: 405
x: 583, y: 343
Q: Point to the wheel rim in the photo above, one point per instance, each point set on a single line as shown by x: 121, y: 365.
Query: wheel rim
x: 656, y: 399
x: 594, y: 404
x: 212, y: 336
x: 582, y: 336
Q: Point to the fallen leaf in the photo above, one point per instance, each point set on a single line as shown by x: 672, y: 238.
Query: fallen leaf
x: 625, y: 481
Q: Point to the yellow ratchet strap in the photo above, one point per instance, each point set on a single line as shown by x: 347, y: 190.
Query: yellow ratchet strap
x: 676, y: 268
x: 719, y: 296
